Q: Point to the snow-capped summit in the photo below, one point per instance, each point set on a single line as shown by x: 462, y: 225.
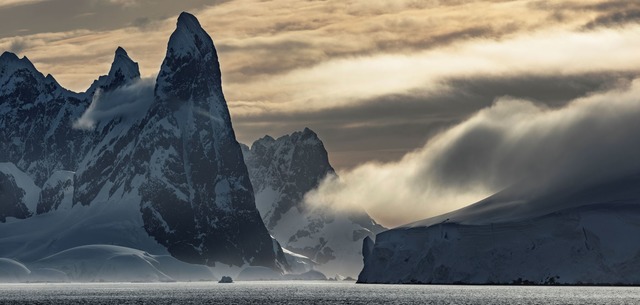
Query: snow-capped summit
x: 189, y: 38
x: 190, y: 68
x: 123, y: 65
x: 123, y: 71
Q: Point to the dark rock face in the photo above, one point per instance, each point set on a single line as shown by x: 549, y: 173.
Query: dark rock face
x: 57, y: 190
x: 203, y: 193
x: 294, y: 164
x: 367, y: 248
x: 11, y: 199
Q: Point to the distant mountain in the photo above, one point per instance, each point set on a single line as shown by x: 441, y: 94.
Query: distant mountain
x: 580, y: 235
x: 282, y: 171
x: 153, y: 167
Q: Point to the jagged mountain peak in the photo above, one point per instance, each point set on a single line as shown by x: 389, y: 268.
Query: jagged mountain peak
x: 120, y: 51
x: 307, y: 130
x: 123, y: 63
x: 307, y: 136
x: 8, y: 57
x: 189, y: 21
x: 10, y: 63
x: 297, y: 138
x: 21, y: 81
x: 123, y: 71
x: 190, y: 70
x: 190, y: 38
x: 264, y: 142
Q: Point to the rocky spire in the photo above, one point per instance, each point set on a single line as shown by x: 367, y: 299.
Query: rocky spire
x: 123, y: 71
x: 190, y: 69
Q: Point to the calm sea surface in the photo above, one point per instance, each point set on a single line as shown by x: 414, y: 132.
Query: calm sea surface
x: 308, y: 293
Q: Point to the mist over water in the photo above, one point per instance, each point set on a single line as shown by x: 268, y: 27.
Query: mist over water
x: 308, y: 293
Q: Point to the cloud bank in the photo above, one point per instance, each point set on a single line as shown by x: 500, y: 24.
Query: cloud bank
x: 416, y: 67
x: 512, y: 143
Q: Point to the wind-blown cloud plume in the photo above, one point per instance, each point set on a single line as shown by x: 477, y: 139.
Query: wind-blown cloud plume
x: 512, y: 143
x: 128, y: 102
x: 291, y: 59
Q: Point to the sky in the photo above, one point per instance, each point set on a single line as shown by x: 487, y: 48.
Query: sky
x: 421, y: 103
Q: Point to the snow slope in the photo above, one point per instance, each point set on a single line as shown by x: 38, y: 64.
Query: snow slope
x: 103, y: 263
x: 106, y: 263
x: 103, y: 223
x: 582, y: 235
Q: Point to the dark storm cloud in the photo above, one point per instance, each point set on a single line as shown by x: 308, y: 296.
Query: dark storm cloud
x: 615, y: 19
x: 370, y: 130
x: 68, y: 15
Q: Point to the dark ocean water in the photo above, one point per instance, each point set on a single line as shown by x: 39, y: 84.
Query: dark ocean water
x: 308, y: 293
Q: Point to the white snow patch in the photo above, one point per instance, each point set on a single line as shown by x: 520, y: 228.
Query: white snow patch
x: 23, y: 181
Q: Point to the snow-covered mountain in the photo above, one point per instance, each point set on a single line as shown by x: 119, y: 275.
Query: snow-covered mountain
x: 35, y: 120
x: 123, y: 71
x: 150, y: 166
x: 282, y: 171
x: 582, y: 235
x: 181, y: 163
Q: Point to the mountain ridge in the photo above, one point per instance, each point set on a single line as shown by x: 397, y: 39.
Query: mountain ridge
x: 171, y: 177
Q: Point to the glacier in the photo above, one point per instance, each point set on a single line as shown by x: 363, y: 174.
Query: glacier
x: 583, y: 235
